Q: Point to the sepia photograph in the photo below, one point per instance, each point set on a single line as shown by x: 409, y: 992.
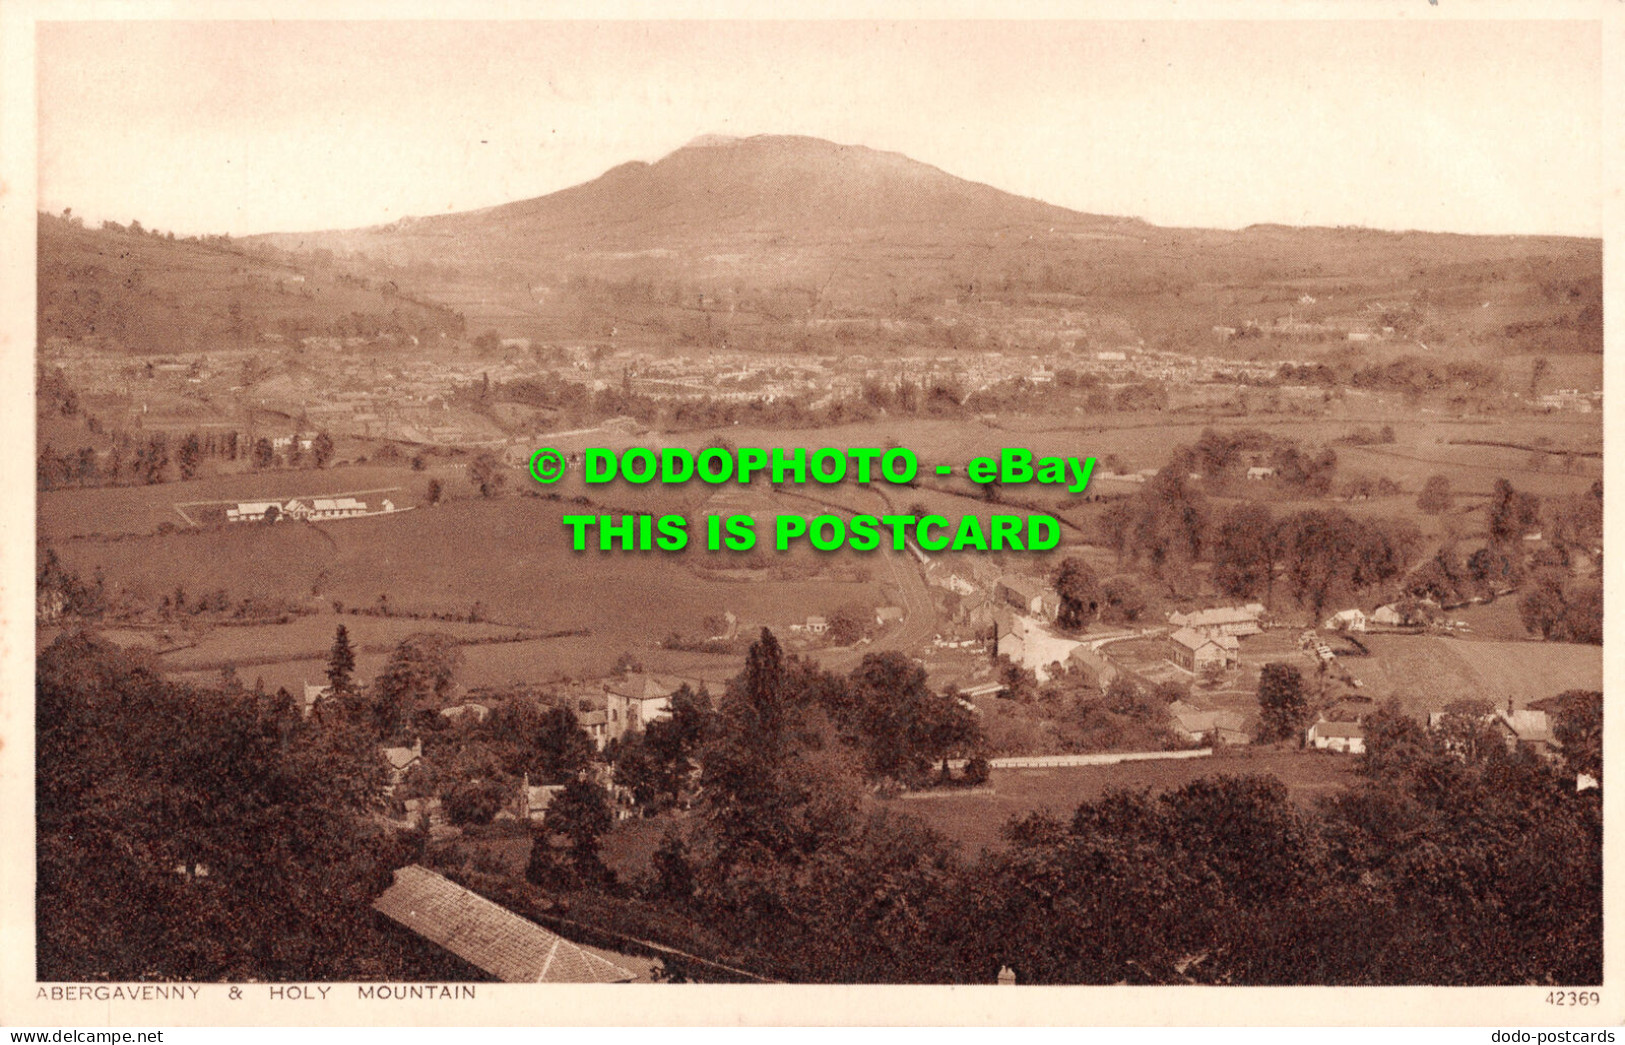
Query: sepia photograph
x: 733, y: 502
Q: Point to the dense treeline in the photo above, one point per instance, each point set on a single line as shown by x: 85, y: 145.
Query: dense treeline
x: 203, y: 834
x: 157, y: 458
x: 1320, y: 557
x: 1447, y: 864
x: 187, y: 833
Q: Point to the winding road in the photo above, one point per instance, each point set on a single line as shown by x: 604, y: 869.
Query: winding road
x: 920, y: 620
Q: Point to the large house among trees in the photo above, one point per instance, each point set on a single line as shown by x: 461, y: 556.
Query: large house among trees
x: 635, y: 700
x: 1194, y: 650
x: 1028, y: 594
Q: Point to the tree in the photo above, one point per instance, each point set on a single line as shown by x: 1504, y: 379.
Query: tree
x: 673, y: 866
x: 475, y: 801
x: 639, y: 771
x: 1537, y: 370
x: 1329, y: 555
x: 1283, y: 705
x: 216, y: 836
x: 1121, y: 600
x: 1125, y: 698
x: 580, y: 814
x: 1169, y: 522
x: 847, y: 624
x: 545, y: 743
x: 771, y: 774
x: 322, y: 449
x: 154, y: 458
x: 1511, y: 514
x: 52, y: 470
x: 421, y: 668
x: 435, y: 492
x: 900, y: 722
x: 264, y: 453
x: 486, y: 474
x: 1579, y: 730
x: 1583, y: 620
x: 1543, y: 607
x: 1492, y: 569
x: 188, y: 456
x: 1115, y: 528
x: 1435, y: 497
x: 1079, y: 592
x: 341, y: 662
x: 1244, y: 551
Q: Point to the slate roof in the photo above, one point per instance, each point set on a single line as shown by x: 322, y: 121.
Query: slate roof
x: 1217, y: 617
x: 511, y: 948
x: 401, y: 757
x: 1338, y: 729
x: 645, y: 686
x: 1196, y: 721
x: 1028, y: 588
x: 1195, y: 640
x: 1528, y: 725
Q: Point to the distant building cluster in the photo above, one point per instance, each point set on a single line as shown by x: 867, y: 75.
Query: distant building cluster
x: 306, y: 509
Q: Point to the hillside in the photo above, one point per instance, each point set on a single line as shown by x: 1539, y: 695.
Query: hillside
x: 140, y: 292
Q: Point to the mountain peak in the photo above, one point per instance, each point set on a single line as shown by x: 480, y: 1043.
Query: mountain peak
x: 711, y: 141
x: 772, y: 184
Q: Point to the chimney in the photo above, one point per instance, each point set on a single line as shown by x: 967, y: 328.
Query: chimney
x: 1007, y: 976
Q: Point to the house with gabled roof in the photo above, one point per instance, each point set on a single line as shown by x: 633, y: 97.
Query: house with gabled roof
x: 1093, y: 667
x: 1346, y: 620
x: 401, y: 760
x: 488, y: 936
x: 1345, y: 737
x: 1194, y: 650
x: 1196, y: 725
x: 637, y: 699
x: 596, y: 725
x: 1525, y: 730
x: 314, y: 695
x: 1027, y: 594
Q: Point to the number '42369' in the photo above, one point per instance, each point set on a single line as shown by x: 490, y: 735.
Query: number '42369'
x: 1573, y: 998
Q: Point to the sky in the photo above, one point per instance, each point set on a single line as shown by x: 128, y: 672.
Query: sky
x: 246, y: 127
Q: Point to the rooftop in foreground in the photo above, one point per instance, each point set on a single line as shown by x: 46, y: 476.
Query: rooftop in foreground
x: 489, y: 936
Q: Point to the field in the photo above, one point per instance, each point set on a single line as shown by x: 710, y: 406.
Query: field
x: 1427, y: 672
x: 120, y: 510
x: 974, y: 820
x: 510, y: 555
